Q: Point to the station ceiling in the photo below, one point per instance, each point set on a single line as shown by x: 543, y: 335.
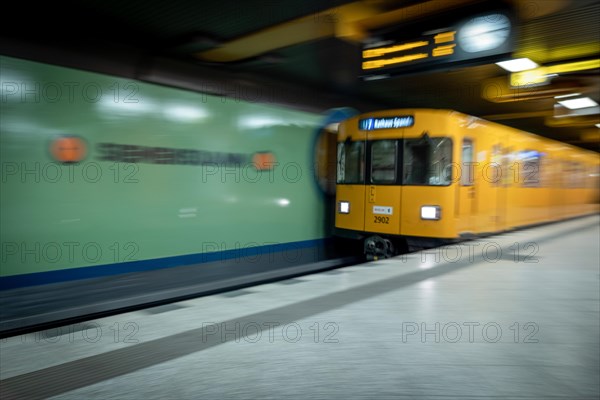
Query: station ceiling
x: 317, y: 45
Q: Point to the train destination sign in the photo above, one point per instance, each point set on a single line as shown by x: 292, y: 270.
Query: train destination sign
x: 371, y: 124
x: 481, y: 38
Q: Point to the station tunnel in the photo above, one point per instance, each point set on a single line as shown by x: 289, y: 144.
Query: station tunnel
x: 357, y: 199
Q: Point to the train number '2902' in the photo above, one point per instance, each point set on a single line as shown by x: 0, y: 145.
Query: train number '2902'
x: 382, y: 220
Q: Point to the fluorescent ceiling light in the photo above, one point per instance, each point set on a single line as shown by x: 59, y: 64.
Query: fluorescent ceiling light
x: 597, y: 125
x: 518, y: 64
x: 575, y: 104
x: 567, y: 95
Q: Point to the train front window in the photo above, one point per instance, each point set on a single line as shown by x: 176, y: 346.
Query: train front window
x: 351, y: 162
x: 383, y: 161
x: 427, y: 161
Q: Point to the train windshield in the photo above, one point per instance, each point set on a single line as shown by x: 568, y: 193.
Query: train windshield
x: 351, y: 162
x: 383, y: 161
x: 427, y: 161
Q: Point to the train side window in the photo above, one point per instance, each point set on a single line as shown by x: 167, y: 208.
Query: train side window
x: 383, y: 161
x: 493, y: 172
x: 564, y: 174
x: 427, y: 161
x: 567, y: 174
x: 467, y: 176
x: 571, y: 174
x: 506, y: 171
x: 578, y: 175
x: 529, y: 167
x: 594, y: 177
x: 351, y: 162
x: 545, y: 171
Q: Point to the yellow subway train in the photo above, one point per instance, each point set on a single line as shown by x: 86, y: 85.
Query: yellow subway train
x: 421, y: 177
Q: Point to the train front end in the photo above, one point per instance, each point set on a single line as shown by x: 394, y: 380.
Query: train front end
x: 394, y: 180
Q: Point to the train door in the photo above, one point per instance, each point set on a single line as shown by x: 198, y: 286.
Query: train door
x: 467, y: 189
x: 383, y: 190
x: 500, y: 168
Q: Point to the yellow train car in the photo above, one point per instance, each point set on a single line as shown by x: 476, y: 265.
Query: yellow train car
x: 419, y: 177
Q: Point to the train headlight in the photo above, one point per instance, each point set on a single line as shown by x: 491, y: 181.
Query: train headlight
x: 344, y: 207
x: 431, y: 212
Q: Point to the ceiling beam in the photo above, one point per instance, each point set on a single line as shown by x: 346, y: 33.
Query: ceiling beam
x: 351, y: 22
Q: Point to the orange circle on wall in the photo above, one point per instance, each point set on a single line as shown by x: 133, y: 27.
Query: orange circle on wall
x: 68, y: 149
x: 263, y: 160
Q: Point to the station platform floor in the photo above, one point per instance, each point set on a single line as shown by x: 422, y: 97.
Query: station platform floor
x: 513, y: 316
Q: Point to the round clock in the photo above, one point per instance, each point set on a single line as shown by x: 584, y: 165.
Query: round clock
x: 484, y: 33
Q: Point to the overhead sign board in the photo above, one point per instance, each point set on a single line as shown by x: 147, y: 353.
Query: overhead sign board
x: 480, y: 38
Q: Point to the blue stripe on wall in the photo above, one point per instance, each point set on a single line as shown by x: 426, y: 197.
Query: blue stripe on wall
x: 71, y: 274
